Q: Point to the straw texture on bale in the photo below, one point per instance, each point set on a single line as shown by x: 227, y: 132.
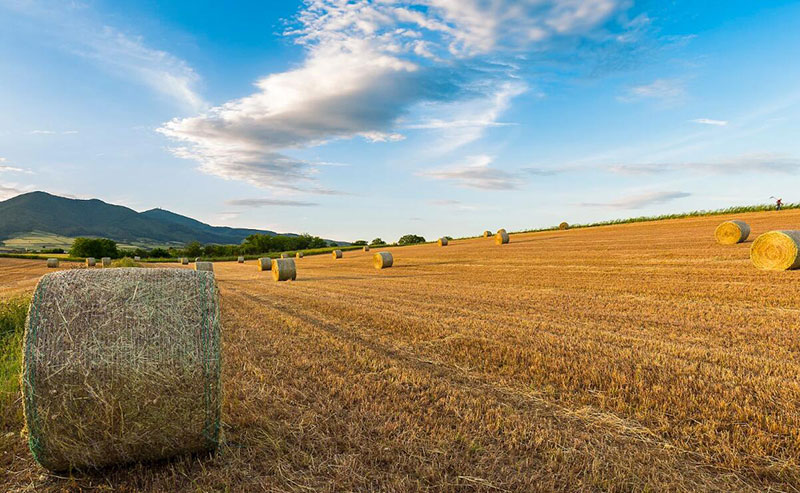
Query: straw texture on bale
x: 90, y: 262
x: 442, y: 241
x: 204, y: 266
x: 366, y: 248
x: 184, y: 261
x: 298, y: 255
x: 337, y: 254
x: 121, y: 365
x: 284, y: 255
x: 501, y: 237
x: 265, y: 263
x: 240, y: 260
x: 776, y: 250
x: 487, y: 233
x: 732, y: 232
x: 284, y: 269
x: 52, y: 263
x: 382, y: 260
x: 563, y: 226
x: 106, y: 261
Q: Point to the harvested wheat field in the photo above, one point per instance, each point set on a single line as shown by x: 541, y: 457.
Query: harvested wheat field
x: 620, y: 358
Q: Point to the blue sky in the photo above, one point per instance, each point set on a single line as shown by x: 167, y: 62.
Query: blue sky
x: 356, y: 119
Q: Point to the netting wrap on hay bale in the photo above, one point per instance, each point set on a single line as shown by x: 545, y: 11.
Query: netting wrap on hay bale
x: 204, y: 266
x: 487, y: 233
x: 732, y: 232
x: 240, y: 260
x: 52, y: 263
x: 298, y: 255
x: 563, y: 226
x: 382, y: 260
x: 337, y: 254
x: 184, y: 261
x: 106, y: 261
x: 366, y: 248
x: 501, y: 237
x: 264, y: 263
x: 442, y: 241
x: 776, y: 250
x: 121, y: 365
x: 284, y: 269
x: 90, y: 262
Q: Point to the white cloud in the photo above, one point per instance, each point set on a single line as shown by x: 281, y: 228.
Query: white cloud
x: 709, y: 121
x: 747, y: 163
x: 53, y: 132
x: 476, y: 173
x: 269, y: 202
x: 9, y: 190
x: 638, y: 201
x: 668, y: 91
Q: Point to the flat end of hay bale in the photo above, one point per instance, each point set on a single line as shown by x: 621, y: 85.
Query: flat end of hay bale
x: 487, y: 233
x: 563, y: 226
x: 732, y: 232
x: 204, y: 266
x: 52, y: 263
x: 336, y: 254
x: 382, y: 260
x: 776, y: 250
x: 501, y: 238
x: 240, y: 260
x: 442, y: 241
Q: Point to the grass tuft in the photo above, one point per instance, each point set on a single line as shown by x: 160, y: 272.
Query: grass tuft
x: 12, y: 325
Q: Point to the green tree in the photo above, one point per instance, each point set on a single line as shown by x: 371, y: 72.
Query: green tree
x: 194, y: 249
x: 94, y: 247
x: 158, y: 253
x: 410, y: 240
x: 360, y: 242
x: 377, y: 241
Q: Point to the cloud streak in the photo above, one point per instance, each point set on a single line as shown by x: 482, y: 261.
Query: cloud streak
x: 639, y: 200
x: 269, y: 202
x: 709, y: 121
x: 476, y: 172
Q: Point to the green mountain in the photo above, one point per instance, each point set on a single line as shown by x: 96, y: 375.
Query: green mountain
x: 42, y: 212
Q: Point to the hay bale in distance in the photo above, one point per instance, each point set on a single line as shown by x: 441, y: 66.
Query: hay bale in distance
x: 337, y: 254
x: 264, y: 263
x: 52, y: 263
x: 732, y: 232
x: 442, y: 241
x: 487, y: 233
x: 776, y: 250
x: 137, y: 258
x: 198, y: 259
x: 121, y: 365
x: 184, y: 261
x: 284, y: 255
x: 284, y: 269
x: 298, y: 255
x: 366, y: 248
x: 106, y: 261
x: 382, y: 260
x: 240, y: 260
x: 563, y: 226
x: 501, y: 238
x: 204, y: 266
x: 90, y: 262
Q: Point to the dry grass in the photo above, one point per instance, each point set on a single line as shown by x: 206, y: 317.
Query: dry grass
x: 624, y: 358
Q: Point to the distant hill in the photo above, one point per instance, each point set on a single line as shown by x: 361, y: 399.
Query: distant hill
x: 45, y: 213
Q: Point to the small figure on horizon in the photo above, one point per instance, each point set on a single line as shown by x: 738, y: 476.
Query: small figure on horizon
x: 778, y: 204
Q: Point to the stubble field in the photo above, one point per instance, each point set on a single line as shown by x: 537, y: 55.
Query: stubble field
x: 622, y: 358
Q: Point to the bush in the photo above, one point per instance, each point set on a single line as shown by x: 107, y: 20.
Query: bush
x: 125, y: 262
x: 94, y: 247
x: 360, y: 242
x: 410, y: 240
x: 157, y: 253
x: 377, y: 241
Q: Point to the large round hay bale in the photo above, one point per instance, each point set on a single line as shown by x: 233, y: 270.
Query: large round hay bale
x: 501, y: 238
x: 563, y: 226
x: 121, y: 365
x: 106, y: 261
x: 487, y: 233
x: 204, y: 266
x: 366, y: 248
x: 382, y: 260
x: 298, y: 255
x: 284, y: 255
x: 337, y: 254
x: 732, y: 232
x: 184, y: 261
x: 442, y: 241
x: 284, y: 269
x: 240, y: 260
x: 776, y: 250
x: 264, y: 263
x: 90, y: 262
x: 52, y: 263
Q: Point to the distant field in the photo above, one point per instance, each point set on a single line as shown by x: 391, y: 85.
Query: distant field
x: 37, y: 240
x: 623, y: 358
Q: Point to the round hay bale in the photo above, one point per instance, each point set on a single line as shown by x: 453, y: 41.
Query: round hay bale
x: 366, y: 248
x: 284, y: 255
x: 240, y: 260
x: 382, y: 260
x: 264, y: 263
x: 337, y: 254
x: 52, y: 263
x: 90, y: 262
x: 121, y: 365
x: 298, y: 255
x: 137, y: 258
x: 732, y: 232
x: 184, y: 261
x: 442, y: 241
x: 198, y: 259
x: 204, y: 266
x: 283, y: 269
x: 776, y: 250
x: 106, y: 261
x: 487, y: 233
x: 501, y: 238
x: 563, y: 226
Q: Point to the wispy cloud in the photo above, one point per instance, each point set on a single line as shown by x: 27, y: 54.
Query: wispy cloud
x: 476, y: 172
x: 748, y: 163
x: 638, y: 201
x: 4, y: 168
x: 709, y: 121
x: 269, y: 202
x: 665, y: 91
x: 53, y: 132
x: 454, y: 204
x: 9, y: 190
